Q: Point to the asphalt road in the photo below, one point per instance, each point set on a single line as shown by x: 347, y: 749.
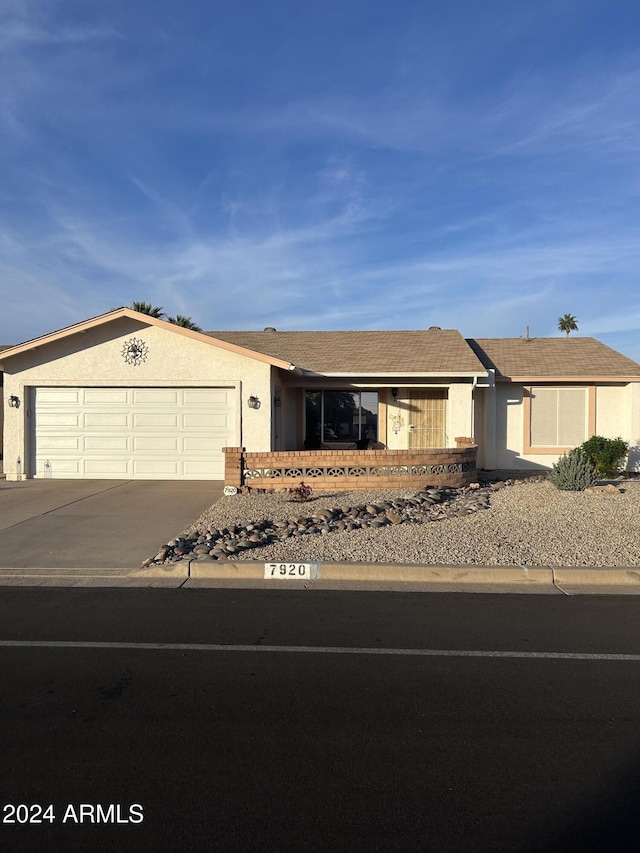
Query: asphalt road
x: 278, y: 721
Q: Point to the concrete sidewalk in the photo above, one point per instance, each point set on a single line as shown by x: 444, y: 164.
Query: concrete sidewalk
x: 95, y: 524
x: 241, y: 574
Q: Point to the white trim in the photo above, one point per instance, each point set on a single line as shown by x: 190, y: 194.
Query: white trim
x: 399, y: 374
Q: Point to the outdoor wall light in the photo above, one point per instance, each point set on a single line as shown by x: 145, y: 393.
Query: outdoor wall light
x: 394, y: 394
x: 277, y: 402
x: 14, y: 401
x: 253, y: 402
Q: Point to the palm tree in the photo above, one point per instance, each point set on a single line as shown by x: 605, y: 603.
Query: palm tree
x: 185, y: 322
x: 567, y: 324
x: 148, y: 308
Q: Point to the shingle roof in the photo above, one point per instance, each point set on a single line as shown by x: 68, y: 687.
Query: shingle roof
x: 441, y: 351
x: 553, y: 357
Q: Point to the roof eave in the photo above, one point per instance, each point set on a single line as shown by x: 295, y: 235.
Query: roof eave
x: 554, y: 377
x: 93, y: 322
x: 396, y: 374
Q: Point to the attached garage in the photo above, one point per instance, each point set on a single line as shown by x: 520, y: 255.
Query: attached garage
x: 128, y: 396
x: 132, y: 433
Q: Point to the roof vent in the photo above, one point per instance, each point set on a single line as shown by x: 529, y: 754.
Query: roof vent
x: 269, y: 329
x: 435, y: 329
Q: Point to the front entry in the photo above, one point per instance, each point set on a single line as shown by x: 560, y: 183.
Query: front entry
x: 426, y: 418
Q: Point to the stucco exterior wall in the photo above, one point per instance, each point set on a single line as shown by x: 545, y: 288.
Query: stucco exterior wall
x: 459, y: 411
x: 2, y: 405
x: 458, y: 414
x: 617, y: 414
x: 613, y: 412
x: 479, y: 424
x: 94, y: 358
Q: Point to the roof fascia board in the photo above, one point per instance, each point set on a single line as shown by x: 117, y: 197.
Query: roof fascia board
x: 555, y: 378
x: 400, y: 374
x: 87, y: 325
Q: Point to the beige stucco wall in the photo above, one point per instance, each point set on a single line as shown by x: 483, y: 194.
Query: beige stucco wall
x: 617, y: 414
x: 613, y: 411
x: 94, y: 358
x: 2, y: 405
x: 479, y: 426
x: 459, y: 412
x: 633, y: 463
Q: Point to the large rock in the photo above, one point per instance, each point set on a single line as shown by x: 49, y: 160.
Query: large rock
x: 609, y: 489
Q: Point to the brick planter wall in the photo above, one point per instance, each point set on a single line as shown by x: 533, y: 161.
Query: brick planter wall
x: 343, y: 470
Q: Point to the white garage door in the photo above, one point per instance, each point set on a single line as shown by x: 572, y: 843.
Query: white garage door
x: 133, y: 433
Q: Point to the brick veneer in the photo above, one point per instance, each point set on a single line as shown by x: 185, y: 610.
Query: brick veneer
x: 463, y: 457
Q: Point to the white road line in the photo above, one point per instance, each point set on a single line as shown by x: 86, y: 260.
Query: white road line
x: 315, y: 650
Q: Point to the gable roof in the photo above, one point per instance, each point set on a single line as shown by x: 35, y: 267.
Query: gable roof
x: 553, y: 358
x: 420, y: 353
x: 433, y: 352
x: 118, y: 313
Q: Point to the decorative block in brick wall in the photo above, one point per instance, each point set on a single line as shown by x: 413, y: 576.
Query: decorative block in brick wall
x: 344, y: 470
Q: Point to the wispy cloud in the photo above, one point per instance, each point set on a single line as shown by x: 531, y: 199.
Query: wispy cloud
x: 400, y: 170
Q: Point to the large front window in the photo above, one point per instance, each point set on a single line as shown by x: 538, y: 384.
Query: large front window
x: 340, y: 416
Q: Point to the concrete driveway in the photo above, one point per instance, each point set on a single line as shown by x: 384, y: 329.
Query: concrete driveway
x: 95, y: 524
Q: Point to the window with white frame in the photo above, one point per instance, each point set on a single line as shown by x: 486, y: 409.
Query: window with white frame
x: 559, y: 416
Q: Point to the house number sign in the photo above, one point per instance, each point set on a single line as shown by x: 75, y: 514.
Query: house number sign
x: 290, y: 571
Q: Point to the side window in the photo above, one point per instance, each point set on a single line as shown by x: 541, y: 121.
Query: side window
x: 559, y: 416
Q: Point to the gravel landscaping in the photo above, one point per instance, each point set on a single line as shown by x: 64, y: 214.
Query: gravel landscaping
x: 526, y: 522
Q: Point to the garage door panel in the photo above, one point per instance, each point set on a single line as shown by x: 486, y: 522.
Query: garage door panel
x: 204, y: 420
x: 60, y: 466
x: 199, y: 444
x: 105, y: 397
x: 102, y: 443
x: 59, y: 419
x: 59, y: 395
x: 156, y: 420
x: 212, y: 397
x: 102, y: 420
x: 208, y: 469
x: 105, y: 468
x: 150, y: 433
x: 155, y: 396
x: 68, y: 443
x: 166, y: 469
x: 156, y: 443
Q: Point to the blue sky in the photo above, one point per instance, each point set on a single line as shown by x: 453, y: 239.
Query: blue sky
x: 339, y: 165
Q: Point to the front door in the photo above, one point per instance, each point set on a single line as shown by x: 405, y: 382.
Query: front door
x: 426, y: 417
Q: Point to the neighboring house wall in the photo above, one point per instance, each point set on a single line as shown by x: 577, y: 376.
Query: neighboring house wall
x: 95, y: 359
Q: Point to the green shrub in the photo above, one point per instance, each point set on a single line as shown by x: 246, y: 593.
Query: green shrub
x: 573, y: 472
x: 606, y: 454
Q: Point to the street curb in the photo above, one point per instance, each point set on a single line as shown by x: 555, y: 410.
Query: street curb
x: 554, y: 577
x: 584, y: 576
x: 557, y: 578
x: 383, y: 572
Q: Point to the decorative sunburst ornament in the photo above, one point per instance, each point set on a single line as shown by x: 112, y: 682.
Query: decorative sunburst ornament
x: 135, y: 351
